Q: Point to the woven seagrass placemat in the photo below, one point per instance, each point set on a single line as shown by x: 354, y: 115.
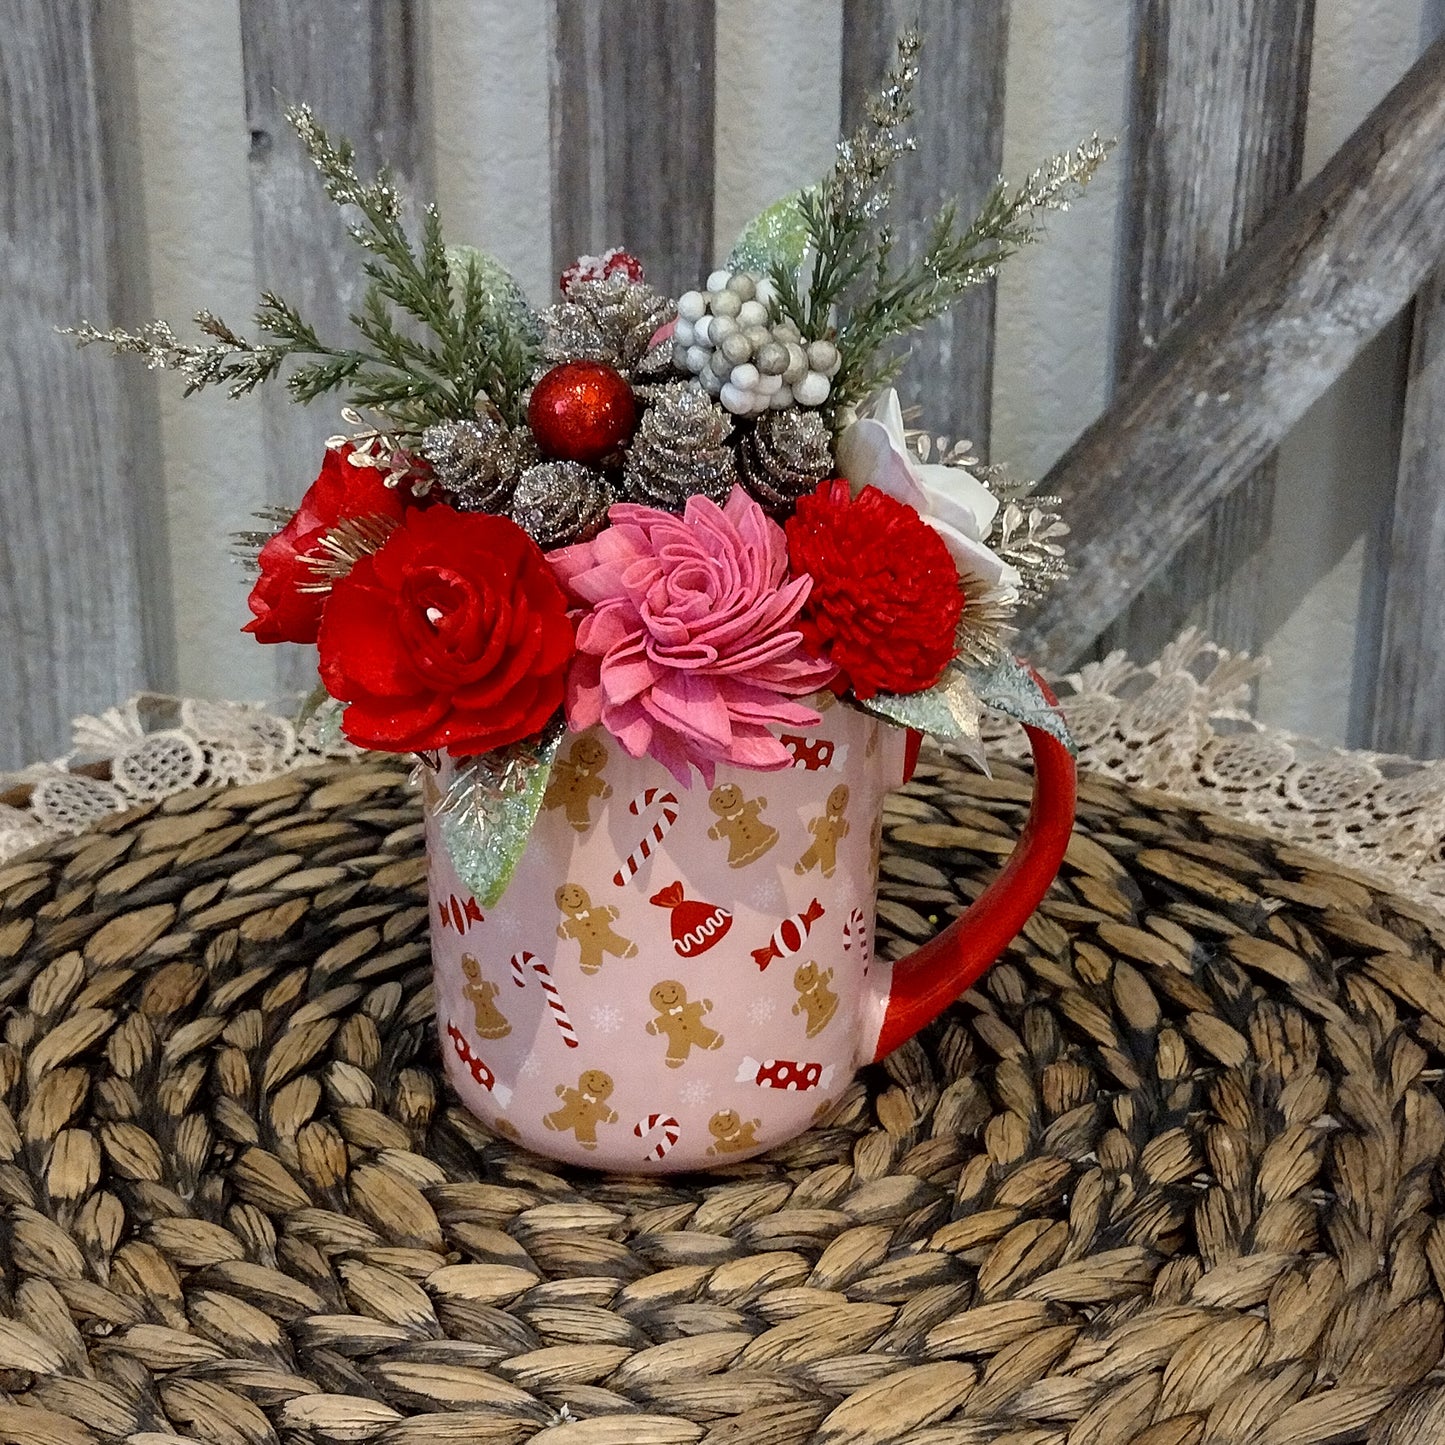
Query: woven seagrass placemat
x: 1170, y: 1175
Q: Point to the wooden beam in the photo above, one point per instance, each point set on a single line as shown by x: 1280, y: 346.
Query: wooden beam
x: 959, y: 129
x: 632, y: 134
x: 356, y: 62
x: 1409, y: 708
x: 1334, y: 263
x: 82, y: 549
x: 1218, y: 138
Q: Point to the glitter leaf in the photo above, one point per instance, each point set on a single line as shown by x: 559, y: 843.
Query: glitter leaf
x: 487, y: 813
x: 776, y: 236
x: 951, y: 710
x: 1005, y: 685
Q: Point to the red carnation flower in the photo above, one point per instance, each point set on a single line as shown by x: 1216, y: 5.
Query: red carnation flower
x: 287, y: 607
x: 886, y: 598
x: 454, y: 634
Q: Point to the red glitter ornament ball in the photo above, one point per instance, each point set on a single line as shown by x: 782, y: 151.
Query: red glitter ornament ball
x: 582, y: 411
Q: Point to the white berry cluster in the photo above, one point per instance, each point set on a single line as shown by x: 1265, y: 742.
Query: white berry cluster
x: 724, y: 338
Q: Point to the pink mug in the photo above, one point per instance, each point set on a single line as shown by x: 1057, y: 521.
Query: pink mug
x: 680, y: 978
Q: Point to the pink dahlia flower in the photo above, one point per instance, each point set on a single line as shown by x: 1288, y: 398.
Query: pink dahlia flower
x: 687, y: 641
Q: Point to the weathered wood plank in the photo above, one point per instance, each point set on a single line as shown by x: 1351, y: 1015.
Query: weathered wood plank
x: 357, y: 63
x: 959, y: 132
x: 632, y: 134
x: 1409, y: 693
x: 1218, y: 137
x: 1333, y: 264
x: 82, y: 564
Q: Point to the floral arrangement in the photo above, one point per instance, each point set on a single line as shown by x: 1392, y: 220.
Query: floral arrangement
x: 678, y: 518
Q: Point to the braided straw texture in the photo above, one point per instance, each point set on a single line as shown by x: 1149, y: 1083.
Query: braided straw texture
x: 1169, y: 1176
x: 1180, y: 724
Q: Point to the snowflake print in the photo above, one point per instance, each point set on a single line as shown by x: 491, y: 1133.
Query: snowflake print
x: 607, y: 1018
x: 760, y: 1010
x: 531, y: 1066
x: 767, y: 895
x: 696, y: 1093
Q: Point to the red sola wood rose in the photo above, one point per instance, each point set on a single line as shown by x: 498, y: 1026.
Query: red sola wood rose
x: 454, y: 634
x: 886, y: 600
x: 287, y: 600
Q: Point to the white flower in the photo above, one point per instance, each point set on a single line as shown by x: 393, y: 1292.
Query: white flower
x: 607, y: 1019
x: 873, y: 451
x: 761, y: 1009
x: 696, y: 1093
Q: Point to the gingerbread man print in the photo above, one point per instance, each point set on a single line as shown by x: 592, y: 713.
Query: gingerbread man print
x: 577, y: 781
x: 740, y: 822
x: 731, y: 1133
x: 590, y: 927
x: 680, y: 1022
x: 828, y: 831
x: 816, y: 1000
x: 582, y: 1109
x: 481, y: 993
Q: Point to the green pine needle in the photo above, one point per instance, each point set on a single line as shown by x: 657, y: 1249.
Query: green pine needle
x: 431, y: 350
x: 856, y: 292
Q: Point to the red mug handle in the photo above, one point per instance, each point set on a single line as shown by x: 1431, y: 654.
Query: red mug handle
x: 933, y: 976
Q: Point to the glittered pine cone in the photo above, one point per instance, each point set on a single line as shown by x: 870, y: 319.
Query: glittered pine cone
x: 680, y: 450
x: 784, y: 457
x: 611, y: 320
x: 558, y: 503
x: 477, y: 461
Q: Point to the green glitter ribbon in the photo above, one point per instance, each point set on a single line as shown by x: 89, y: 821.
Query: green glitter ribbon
x: 486, y: 815
x: 952, y: 709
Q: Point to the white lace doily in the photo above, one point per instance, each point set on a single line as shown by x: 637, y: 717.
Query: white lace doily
x: 155, y: 746
x: 1180, y: 724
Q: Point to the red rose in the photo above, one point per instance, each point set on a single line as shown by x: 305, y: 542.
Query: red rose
x: 886, y: 598
x: 453, y: 635
x: 286, y: 606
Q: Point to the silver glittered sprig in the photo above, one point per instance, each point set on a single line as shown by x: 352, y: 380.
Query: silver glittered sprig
x: 830, y: 253
x: 246, y: 545
x: 866, y: 157
x: 375, y: 445
x: 1028, y: 536
x: 1027, y: 533
x: 342, y: 546
x: 985, y: 626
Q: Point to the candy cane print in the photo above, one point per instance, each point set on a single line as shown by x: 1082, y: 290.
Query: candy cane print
x: 523, y: 961
x: 655, y: 834
x: 855, y: 934
x: 665, y: 1126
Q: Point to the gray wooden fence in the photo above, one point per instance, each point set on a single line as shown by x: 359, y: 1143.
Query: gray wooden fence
x: 1242, y: 296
